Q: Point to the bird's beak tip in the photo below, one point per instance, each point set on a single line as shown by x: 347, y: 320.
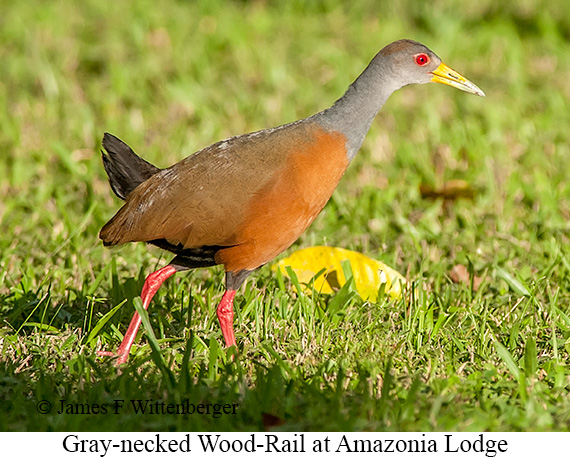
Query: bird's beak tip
x: 445, y: 75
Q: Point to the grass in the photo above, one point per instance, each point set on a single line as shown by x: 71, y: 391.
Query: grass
x: 171, y: 77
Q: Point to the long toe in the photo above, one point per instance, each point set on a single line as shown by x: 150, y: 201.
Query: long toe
x: 121, y: 356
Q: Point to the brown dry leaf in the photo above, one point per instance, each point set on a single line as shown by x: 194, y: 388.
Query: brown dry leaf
x: 269, y: 421
x: 460, y: 274
x: 451, y: 190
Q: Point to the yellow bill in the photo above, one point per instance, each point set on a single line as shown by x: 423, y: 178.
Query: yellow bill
x: 445, y: 75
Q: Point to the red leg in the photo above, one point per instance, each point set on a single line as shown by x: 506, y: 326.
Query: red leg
x: 151, y: 285
x: 225, y: 314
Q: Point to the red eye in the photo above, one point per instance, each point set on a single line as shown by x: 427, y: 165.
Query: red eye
x: 421, y: 59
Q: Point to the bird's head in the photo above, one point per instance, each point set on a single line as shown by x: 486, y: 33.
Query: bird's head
x: 413, y: 63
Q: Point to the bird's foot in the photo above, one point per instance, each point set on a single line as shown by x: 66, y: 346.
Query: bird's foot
x: 232, y: 353
x: 122, y: 357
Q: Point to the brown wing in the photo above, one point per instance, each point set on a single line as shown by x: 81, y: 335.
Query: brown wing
x: 201, y: 200
x: 250, y: 197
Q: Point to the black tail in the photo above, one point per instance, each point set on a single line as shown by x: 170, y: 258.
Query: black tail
x: 125, y: 169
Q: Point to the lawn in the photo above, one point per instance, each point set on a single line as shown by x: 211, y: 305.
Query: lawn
x: 489, y: 352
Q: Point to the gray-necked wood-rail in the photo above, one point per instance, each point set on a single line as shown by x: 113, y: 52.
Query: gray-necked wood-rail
x: 242, y: 201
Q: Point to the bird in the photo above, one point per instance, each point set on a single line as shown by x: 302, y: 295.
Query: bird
x: 242, y: 201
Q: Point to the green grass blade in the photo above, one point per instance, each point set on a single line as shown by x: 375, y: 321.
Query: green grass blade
x: 530, y: 357
x: 156, y: 353
x: 508, y: 359
x: 101, y: 323
x: 513, y: 283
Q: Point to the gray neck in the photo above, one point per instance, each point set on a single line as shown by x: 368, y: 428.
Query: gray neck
x: 353, y: 113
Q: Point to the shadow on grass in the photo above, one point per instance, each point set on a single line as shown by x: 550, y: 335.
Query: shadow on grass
x: 91, y: 396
